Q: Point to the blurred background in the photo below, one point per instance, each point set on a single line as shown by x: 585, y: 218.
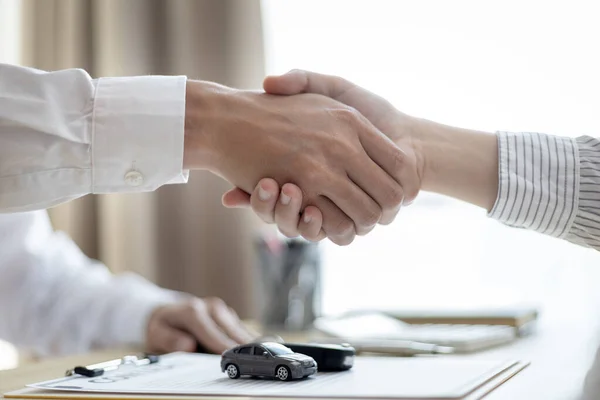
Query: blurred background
x: 500, y: 65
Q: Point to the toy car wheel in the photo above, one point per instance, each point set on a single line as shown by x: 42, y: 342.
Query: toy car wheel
x: 283, y: 373
x: 233, y: 371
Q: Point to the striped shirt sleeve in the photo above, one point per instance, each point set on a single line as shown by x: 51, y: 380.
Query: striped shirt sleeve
x: 551, y: 185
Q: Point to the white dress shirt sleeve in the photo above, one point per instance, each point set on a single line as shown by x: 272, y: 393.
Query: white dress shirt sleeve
x: 54, y: 300
x: 64, y: 135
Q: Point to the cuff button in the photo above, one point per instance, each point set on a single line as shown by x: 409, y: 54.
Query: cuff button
x: 134, y: 178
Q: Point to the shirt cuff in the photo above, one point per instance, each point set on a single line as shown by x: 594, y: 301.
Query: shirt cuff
x: 537, y: 182
x: 585, y: 229
x: 138, y: 133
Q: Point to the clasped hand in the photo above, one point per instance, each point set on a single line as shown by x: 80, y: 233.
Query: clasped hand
x: 343, y: 164
x: 358, y: 160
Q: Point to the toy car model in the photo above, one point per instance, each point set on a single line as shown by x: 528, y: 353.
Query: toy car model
x: 267, y: 359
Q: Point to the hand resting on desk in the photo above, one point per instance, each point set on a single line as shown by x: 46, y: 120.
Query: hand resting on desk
x: 208, y: 322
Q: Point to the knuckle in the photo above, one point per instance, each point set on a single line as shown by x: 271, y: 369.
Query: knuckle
x: 344, y: 227
x: 411, y: 195
x: 394, y: 198
x: 351, y: 153
x: 369, y: 229
x: 365, y: 230
x: 313, y: 168
x: 313, y: 175
x: 347, y: 114
x: 214, y: 302
x: 191, y: 309
x: 318, y: 175
x: 398, y: 159
x: 232, y: 312
x: 389, y: 217
x: 372, y: 216
x: 343, y: 241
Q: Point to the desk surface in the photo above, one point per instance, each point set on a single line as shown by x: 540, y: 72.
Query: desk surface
x: 546, y: 378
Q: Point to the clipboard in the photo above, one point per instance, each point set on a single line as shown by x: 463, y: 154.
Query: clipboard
x: 436, y: 374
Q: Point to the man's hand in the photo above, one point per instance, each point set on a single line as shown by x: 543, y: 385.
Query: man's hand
x: 456, y: 162
x: 210, y: 322
x: 267, y: 201
x: 344, y: 165
x: 396, y: 125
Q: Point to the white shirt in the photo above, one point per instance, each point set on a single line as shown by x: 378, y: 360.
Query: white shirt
x: 55, y: 300
x: 64, y: 135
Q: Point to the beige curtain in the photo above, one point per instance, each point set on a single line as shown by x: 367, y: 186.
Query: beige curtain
x: 180, y: 236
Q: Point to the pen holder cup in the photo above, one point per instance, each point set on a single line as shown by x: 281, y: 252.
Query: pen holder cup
x: 290, y: 282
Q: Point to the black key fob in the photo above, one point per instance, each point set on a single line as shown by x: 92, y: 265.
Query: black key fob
x: 329, y: 357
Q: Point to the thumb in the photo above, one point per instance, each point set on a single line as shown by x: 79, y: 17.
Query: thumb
x: 300, y: 81
x: 236, y: 198
x: 292, y: 82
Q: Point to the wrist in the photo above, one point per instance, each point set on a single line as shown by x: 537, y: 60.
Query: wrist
x: 204, y: 104
x: 459, y: 163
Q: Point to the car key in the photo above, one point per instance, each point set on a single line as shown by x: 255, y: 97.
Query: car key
x: 329, y: 357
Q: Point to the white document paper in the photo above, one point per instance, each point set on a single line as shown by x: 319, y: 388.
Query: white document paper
x: 382, y: 377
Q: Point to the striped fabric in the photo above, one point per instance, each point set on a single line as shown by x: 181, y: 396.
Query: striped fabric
x: 551, y: 185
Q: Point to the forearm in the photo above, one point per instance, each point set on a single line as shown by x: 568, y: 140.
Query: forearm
x: 459, y: 163
x: 544, y: 183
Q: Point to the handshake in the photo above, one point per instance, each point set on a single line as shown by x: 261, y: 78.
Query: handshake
x: 345, y: 158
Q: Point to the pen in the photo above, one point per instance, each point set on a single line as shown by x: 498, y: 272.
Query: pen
x: 94, y: 370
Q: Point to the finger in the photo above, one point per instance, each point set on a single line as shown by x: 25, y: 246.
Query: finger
x: 196, y: 319
x: 310, y: 224
x: 287, y: 210
x: 300, y: 81
x: 166, y: 339
x: 338, y: 227
x: 251, y: 331
x: 411, y: 182
x: 393, y: 161
x: 228, y: 320
x: 354, y: 202
x: 380, y: 186
x: 236, y: 198
x: 381, y: 148
x: 264, y: 198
